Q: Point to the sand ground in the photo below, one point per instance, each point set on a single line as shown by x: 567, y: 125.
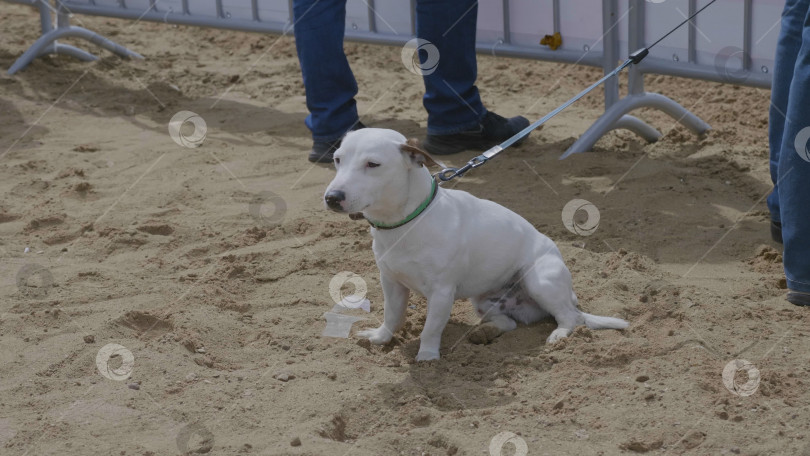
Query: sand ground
x: 212, y: 265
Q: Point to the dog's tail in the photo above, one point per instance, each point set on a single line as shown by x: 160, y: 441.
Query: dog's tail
x: 598, y: 322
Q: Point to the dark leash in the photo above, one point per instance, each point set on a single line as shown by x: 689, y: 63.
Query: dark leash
x: 634, y: 58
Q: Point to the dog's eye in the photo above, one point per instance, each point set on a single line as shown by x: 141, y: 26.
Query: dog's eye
x: 337, y: 160
x: 372, y: 164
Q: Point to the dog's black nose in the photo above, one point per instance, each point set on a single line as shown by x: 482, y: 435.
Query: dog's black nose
x: 334, y: 198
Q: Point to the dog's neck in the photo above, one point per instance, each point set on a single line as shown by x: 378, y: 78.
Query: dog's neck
x: 419, y: 187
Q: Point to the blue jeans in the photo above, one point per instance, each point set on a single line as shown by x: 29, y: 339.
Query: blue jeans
x: 789, y: 115
x: 451, y: 97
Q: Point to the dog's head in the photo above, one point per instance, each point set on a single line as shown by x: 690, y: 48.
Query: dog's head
x: 373, y: 167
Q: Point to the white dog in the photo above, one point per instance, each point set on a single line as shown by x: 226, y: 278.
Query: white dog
x: 447, y: 244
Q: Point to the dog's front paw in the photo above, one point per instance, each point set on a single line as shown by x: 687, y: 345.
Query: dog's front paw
x: 378, y: 336
x: 427, y: 355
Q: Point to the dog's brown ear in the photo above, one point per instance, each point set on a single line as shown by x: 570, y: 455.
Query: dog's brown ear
x: 419, y: 155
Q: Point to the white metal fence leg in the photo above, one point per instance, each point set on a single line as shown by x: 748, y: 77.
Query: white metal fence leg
x: 41, y: 46
x: 46, y: 44
x: 612, y: 115
x: 66, y: 49
x: 638, y: 126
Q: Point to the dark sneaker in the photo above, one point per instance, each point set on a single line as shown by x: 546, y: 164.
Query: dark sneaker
x: 324, y: 151
x: 776, y: 231
x: 798, y: 298
x: 493, y: 130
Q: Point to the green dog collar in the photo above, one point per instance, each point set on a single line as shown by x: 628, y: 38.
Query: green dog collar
x: 434, y: 187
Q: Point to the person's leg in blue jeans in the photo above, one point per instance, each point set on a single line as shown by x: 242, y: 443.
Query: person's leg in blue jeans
x: 793, y: 161
x: 787, y: 48
x: 451, y: 97
x: 457, y: 120
x: 328, y: 80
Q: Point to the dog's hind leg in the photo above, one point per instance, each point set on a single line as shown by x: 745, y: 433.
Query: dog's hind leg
x: 549, y: 283
x: 490, y: 328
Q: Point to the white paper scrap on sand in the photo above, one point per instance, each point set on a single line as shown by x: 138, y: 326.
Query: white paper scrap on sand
x: 339, y: 324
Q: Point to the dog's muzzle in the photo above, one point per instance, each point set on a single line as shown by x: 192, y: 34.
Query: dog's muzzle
x: 333, y: 199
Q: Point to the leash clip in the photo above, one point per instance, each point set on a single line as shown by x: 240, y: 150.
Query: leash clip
x: 448, y: 174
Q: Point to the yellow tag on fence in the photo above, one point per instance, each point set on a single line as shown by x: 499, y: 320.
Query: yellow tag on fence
x: 553, y: 41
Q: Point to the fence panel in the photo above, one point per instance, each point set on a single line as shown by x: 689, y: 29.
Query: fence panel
x: 730, y: 41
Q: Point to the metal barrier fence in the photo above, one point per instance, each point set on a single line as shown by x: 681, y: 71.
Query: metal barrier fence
x: 718, y: 45
x: 732, y: 41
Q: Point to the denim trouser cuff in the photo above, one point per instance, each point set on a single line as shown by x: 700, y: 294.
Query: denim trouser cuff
x: 798, y: 286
